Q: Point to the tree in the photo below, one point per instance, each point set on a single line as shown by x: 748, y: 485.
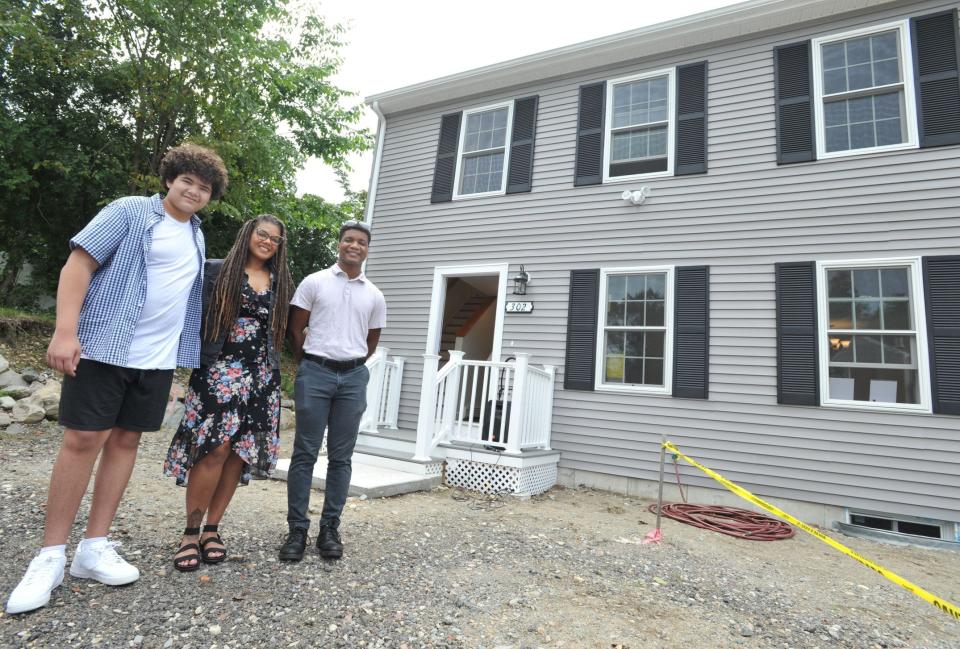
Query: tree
x: 94, y: 92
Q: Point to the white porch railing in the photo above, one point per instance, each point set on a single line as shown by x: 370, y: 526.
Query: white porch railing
x: 507, y: 405
x: 383, y: 391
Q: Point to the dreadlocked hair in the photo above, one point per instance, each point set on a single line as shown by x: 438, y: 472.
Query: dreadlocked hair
x: 225, y: 301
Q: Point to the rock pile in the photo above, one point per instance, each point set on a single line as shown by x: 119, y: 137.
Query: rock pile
x: 26, y: 397
x: 30, y: 396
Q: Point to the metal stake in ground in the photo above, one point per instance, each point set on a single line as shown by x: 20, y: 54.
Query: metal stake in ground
x: 656, y: 535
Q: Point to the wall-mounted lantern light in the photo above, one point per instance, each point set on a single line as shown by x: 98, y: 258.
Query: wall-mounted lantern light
x: 520, y: 281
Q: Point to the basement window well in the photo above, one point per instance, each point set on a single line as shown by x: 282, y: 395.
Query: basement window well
x: 904, y: 525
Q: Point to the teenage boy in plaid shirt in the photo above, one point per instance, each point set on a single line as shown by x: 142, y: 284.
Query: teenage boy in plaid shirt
x: 128, y: 312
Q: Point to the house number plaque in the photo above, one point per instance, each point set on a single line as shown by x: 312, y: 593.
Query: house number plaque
x: 519, y: 307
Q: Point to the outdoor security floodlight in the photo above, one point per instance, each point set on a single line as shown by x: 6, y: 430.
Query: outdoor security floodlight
x: 520, y: 281
x: 637, y: 196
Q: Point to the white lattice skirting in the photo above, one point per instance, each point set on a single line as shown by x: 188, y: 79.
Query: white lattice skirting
x: 433, y: 469
x: 498, y: 478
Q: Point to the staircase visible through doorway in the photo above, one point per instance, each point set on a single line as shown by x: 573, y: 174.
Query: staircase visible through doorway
x: 459, y: 323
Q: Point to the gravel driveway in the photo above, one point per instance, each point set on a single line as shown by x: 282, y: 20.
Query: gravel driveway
x: 451, y: 569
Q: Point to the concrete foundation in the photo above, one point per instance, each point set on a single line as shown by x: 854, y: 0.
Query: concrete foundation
x: 812, y: 513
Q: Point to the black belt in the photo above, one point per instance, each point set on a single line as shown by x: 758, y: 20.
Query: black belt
x: 339, y: 366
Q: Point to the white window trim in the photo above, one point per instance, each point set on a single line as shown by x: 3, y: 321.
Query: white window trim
x: 671, y: 124
x: 909, y: 95
x: 599, y: 384
x: 506, y: 151
x: 919, y: 316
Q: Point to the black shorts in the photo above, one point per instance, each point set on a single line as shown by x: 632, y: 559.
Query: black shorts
x: 102, y: 396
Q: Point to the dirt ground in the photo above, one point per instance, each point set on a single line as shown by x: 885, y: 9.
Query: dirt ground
x: 449, y: 568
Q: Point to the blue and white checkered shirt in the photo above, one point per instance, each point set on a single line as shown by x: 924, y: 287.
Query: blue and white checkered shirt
x: 119, y: 238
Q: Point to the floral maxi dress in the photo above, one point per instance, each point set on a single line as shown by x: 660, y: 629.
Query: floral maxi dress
x: 235, y: 400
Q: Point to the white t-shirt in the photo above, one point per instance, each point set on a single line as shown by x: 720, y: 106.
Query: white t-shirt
x: 172, y: 267
x: 342, y: 313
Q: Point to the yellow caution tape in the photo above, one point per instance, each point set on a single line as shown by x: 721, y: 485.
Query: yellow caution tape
x: 940, y: 603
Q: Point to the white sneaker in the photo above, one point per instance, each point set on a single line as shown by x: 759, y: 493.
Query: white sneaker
x: 44, y: 574
x: 103, y: 564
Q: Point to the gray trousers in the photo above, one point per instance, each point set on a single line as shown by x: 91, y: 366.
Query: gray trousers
x: 335, y: 401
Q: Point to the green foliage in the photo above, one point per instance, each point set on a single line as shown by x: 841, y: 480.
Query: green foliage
x: 94, y: 92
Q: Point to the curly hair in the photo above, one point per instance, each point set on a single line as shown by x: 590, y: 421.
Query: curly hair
x: 197, y: 160
x: 225, y: 301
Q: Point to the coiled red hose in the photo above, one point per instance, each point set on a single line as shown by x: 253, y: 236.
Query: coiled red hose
x: 732, y: 521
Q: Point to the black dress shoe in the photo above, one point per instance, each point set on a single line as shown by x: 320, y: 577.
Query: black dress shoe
x: 328, y: 542
x: 294, y: 545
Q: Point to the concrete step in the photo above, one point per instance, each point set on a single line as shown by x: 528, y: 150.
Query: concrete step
x: 367, y: 479
x: 392, y: 459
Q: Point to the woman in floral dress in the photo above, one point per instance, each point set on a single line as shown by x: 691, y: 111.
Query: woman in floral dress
x: 230, y: 426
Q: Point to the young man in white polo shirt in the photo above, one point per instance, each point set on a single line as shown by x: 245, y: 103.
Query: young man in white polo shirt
x: 343, y: 313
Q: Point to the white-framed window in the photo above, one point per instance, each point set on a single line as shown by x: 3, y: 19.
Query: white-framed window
x: 483, y: 155
x: 873, y: 350
x: 639, y: 126
x: 635, y: 337
x: 863, y: 88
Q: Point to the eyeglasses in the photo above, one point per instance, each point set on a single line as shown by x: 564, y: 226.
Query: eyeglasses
x: 263, y: 235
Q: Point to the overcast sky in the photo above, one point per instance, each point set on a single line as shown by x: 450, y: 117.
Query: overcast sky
x: 399, y: 43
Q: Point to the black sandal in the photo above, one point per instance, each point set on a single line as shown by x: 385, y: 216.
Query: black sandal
x: 205, y: 552
x: 182, y: 564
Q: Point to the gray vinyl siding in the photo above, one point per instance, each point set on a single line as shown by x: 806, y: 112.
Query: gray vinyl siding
x: 742, y: 217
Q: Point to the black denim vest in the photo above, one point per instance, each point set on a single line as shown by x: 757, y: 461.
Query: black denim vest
x: 210, y: 349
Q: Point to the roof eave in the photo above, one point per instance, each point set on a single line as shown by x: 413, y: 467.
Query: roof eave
x: 736, y: 21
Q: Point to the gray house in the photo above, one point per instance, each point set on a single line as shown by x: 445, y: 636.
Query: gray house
x: 739, y: 230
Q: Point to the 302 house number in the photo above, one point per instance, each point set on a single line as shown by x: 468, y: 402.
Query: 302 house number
x: 519, y: 307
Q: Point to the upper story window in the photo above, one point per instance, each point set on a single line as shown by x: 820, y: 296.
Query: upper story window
x: 634, y: 341
x: 864, y: 97
x: 873, y: 343
x: 640, y: 126
x: 484, y: 151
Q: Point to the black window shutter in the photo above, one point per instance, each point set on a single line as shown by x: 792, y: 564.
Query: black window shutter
x: 691, y: 156
x: 794, y: 103
x: 589, y: 165
x: 446, y: 164
x: 520, y: 175
x: 941, y: 287
x: 691, y: 339
x: 797, y: 380
x: 937, y: 75
x: 582, y: 329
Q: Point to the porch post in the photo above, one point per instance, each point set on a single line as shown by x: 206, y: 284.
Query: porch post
x: 426, y: 421
x: 451, y: 393
x: 519, y: 404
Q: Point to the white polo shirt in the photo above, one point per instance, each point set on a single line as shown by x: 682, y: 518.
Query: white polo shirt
x: 342, y: 313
